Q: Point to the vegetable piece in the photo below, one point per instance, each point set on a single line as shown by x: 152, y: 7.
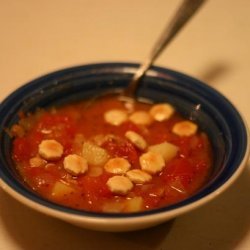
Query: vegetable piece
x: 119, y: 184
x: 152, y: 162
x: 117, y: 165
x: 120, y: 147
x: 167, y: 150
x: 22, y: 149
x: 161, y: 112
x: 50, y: 149
x: 182, y: 169
x: 75, y: 164
x: 136, y: 139
x: 60, y: 189
x: 95, y: 186
x: 113, y: 207
x: 94, y: 154
x: 185, y: 128
x: 134, y: 204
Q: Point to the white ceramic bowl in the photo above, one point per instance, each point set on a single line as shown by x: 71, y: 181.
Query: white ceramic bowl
x: 216, y: 115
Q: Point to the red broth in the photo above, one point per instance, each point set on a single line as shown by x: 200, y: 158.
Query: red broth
x: 86, y: 130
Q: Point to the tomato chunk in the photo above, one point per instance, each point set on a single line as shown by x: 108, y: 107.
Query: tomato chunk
x: 21, y: 149
x: 95, y: 186
x: 180, y: 168
x: 119, y: 147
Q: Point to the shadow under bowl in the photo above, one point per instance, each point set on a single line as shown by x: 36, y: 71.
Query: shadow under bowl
x: 192, y: 98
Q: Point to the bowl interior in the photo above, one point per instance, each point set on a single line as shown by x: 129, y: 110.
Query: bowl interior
x: 193, y: 99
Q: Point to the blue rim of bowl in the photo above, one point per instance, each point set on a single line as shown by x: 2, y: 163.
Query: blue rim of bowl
x: 228, y: 113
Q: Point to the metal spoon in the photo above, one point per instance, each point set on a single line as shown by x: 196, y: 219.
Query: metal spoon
x: 183, y: 14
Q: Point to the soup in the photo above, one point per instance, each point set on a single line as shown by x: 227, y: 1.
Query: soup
x: 111, y: 156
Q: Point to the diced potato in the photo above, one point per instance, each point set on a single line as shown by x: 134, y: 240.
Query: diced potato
x: 134, y: 204
x: 113, y: 207
x: 167, y: 150
x: 94, y: 154
x: 60, y: 189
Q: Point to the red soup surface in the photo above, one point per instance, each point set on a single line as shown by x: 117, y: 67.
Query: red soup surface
x: 111, y: 156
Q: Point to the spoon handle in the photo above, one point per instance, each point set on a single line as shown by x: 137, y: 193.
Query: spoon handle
x: 183, y: 14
